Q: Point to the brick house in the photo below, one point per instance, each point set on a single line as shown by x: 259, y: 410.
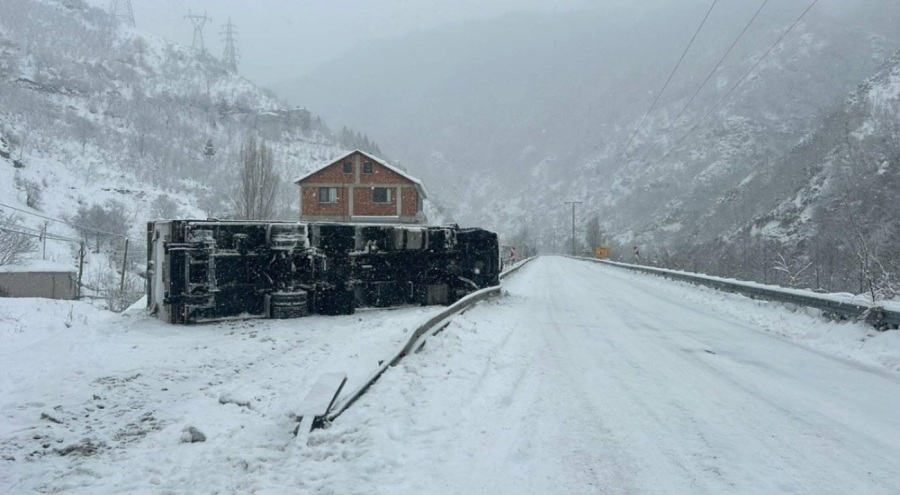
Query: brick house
x: 359, y: 187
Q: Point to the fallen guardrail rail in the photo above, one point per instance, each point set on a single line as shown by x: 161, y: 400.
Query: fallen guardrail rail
x: 417, y: 339
x: 843, y: 306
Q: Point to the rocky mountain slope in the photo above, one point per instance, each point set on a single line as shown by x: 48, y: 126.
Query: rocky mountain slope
x: 831, y: 201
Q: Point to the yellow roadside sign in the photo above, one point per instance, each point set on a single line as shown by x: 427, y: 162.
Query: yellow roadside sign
x: 601, y: 252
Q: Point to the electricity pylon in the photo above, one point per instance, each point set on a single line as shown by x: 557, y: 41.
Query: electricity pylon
x: 120, y: 11
x: 198, y: 21
x: 229, y: 38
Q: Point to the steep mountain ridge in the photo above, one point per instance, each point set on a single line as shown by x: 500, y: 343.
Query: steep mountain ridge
x: 823, y: 215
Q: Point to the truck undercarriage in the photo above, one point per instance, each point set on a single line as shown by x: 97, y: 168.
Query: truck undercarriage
x: 207, y: 270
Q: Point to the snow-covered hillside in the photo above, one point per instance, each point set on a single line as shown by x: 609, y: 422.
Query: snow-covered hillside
x: 103, y: 116
x: 826, y: 210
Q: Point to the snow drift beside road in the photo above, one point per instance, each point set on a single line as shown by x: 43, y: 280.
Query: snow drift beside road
x: 97, y: 402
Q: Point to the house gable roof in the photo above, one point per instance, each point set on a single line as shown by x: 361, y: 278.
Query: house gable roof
x: 419, y: 185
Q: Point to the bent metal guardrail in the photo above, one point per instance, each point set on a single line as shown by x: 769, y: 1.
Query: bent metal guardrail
x: 514, y: 268
x: 417, y: 339
x: 873, y: 314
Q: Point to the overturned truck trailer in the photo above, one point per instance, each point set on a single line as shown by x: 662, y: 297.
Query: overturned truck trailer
x: 207, y: 270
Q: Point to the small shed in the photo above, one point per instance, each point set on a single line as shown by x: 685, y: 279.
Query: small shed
x: 38, y: 279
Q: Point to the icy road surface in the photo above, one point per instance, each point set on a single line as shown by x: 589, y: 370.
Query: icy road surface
x: 590, y: 379
x: 581, y: 379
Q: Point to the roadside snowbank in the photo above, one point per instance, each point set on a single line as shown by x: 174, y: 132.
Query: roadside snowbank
x: 807, y: 326
x: 97, y: 402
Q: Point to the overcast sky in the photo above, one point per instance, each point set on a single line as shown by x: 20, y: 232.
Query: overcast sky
x: 280, y: 39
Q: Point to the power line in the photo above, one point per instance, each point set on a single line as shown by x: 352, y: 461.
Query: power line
x: 44, y: 236
x: 737, y: 84
x: 47, y: 234
x: 669, y: 80
x: 79, y: 227
x: 708, y: 77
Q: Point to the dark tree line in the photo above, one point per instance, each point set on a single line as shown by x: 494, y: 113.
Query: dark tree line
x: 353, y: 140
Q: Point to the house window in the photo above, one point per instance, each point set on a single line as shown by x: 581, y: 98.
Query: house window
x: 381, y: 195
x: 348, y: 167
x: 328, y: 195
x: 367, y: 167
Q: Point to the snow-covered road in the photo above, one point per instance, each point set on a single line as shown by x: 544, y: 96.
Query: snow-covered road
x: 590, y: 379
x: 581, y: 378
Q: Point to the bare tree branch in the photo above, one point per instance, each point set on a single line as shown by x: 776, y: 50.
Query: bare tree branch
x: 14, y: 244
x: 258, y: 182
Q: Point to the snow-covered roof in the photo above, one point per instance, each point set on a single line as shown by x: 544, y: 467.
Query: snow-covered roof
x: 373, y: 158
x: 36, y: 266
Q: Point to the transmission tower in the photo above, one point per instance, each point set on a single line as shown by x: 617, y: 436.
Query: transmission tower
x: 198, y: 21
x: 229, y: 38
x: 120, y: 11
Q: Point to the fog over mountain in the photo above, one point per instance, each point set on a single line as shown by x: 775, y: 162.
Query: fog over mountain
x: 508, y: 118
x: 280, y: 38
x: 509, y: 93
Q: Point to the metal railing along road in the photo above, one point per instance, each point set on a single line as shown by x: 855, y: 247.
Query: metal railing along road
x: 434, y: 325
x: 873, y: 314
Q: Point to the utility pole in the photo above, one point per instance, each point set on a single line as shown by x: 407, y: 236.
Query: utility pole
x: 124, y: 264
x: 229, y: 38
x: 198, y: 22
x: 44, y: 239
x: 121, y: 11
x: 573, y: 203
x: 80, y: 269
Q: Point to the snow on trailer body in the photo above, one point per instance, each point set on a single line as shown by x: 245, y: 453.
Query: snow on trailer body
x: 207, y: 270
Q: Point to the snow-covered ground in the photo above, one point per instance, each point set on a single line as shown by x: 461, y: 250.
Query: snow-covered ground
x: 582, y: 378
x: 94, y: 402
